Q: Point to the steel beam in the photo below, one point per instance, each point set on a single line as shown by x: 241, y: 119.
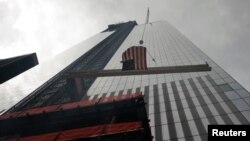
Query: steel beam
x: 153, y: 70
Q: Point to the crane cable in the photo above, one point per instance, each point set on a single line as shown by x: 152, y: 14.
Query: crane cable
x: 141, y: 41
x: 146, y: 22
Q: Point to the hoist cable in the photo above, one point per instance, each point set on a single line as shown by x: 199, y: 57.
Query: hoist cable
x: 141, y: 41
x: 146, y: 22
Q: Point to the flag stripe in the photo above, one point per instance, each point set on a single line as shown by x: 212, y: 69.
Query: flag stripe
x: 135, y: 58
x: 138, y: 54
x: 131, y: 54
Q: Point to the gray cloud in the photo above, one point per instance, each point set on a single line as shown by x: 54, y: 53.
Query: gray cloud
x: 7, y: 17
x: 219, y: 27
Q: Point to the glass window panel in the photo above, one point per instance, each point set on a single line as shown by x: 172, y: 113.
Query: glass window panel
x: 196, y: 102
x: 202, y: 92
x: 228, y: 79
x: 218, y: 97
x: 241, y: 105
x: 123, y: 80
x: 152, y: 120
x: 206, y: 98
x: 223, y: 74
x: 188, y: 114
x: 130, y: 79
x: 151, y: 100
x: 213, y: 110
x: 171, y: 97
x: 137, y: 78
x: 219, y: 120
x: 200, y: 112
x: 235, y: 86
x: 161, y: 99
x: 151, y: 109
x: 247, y: 115
x: 162, y: 107
x: 181, y: 94
x: 181, y: 139
x: 234, y: 119
x: 247, y: 100
x: 197, y: 84
x: 179, y: 130
x: 197, y: 138
x: 137, y: 84
x: 205, y: 122
x: 219, y: 81
x: 163, y: 118
x: 243, y: 93
x: 184, y: 103
x: 193, y: 128
x: 165, y: 132
x: 215, y: 76
x: 151, y: 93
x: 225, y: 87
x: 191, y: 92
x: 232, y: 95
x: 225, y: 107
x: 212, y: 90
x: 176, y: 116
x: 120, y: 87
x: 173, y: 105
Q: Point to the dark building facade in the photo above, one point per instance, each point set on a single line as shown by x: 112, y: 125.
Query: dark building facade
x: 8, y: 66
x: 179, y: 105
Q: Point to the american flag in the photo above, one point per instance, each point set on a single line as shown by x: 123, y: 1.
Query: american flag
x: 136, y: 56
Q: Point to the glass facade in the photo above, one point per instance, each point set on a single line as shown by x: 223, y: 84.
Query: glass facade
x: 22, y: 85
x: 180, y: 105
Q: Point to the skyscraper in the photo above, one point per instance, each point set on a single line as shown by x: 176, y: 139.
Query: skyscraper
x: 179, y: 105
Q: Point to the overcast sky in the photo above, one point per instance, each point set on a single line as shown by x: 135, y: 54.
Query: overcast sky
x: 221, y: 28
